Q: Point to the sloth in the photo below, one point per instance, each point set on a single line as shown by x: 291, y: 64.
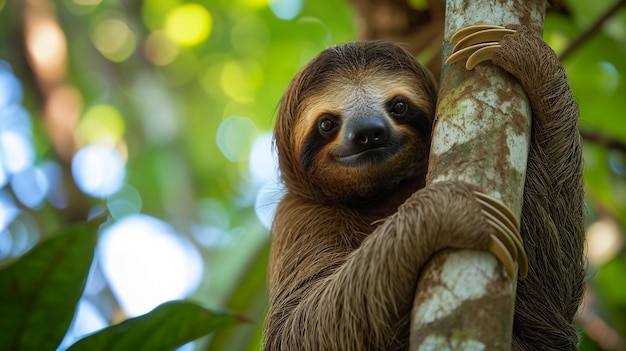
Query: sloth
x: 357, y: 222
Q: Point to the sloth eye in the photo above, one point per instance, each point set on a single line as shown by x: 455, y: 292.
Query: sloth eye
x: 326, y: 125
x: 399, y: 106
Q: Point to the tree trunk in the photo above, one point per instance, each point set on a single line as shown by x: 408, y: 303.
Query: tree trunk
x: 466, y: 299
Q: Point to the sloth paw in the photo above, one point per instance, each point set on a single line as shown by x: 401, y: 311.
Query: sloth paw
x: 506, y: 242
x: 477, y: 44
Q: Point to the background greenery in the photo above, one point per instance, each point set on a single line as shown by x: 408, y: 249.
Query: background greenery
x: 183, y: 95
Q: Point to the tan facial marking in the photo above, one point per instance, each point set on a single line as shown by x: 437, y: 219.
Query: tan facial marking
x: 345, y: 96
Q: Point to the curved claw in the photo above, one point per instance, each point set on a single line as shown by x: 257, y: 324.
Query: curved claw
x: 463, y: 32
x: 501, y: 212
x: 501, y: 208
x: 500, y: 251
x: 467, y: 52
x: 482, y: 54
x: 506, y: 237
x: 483, y: 36
x: 477, y: 44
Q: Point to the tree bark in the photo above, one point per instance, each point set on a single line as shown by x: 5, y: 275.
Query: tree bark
x: 466, y: 299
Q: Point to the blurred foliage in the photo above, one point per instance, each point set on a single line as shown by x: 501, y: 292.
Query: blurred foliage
x: 46, y: 284
x: 47, y: 281
x: 167, y: 327
x: 182, y: 91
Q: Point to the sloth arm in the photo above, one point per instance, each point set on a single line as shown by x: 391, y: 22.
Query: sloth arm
x: 327, y: 295
x: 553, y: 208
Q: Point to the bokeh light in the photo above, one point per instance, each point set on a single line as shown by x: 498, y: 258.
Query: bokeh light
x: 17, y: 151
x: 253, y: 4
x: 557, y: 40
x: 16, y: 119
x: 4, y: 177
x: 87, y: 2
x: 265, y: 175
x: 62, y: 111
x: 212, y: 211
x: 87, y: 319
x: 24, y: 234
x: 56, y: 192
x: 127, y: 201
x: 268, y: 197
x: 30, y: 186
x: 235, y: 136
x: 604, y: 241
x: 610, y: 77
x: 29, y: 183
x: 286, y: 9
x: 211, y: 237
x: 419, y: 4
x: 182, y: 69
x: 98, y: 170
x: 47, y: 46
x: 10, y: 87
x: 101, y: 124
x: 114, y: 39
x: 159, y: 49
x: 6, y: 242
x: 263, y: 160
x: 8, y: 210
x: 147, y: 263
x: 188, y: 24
x: 211, y: 225
x: 241, y: 79
x: 600, y: 78
x: 81, y: 7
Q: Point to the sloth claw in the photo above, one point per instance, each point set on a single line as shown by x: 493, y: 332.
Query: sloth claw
x: 483, y: 54
x: 467, y: 52
x: 463, y: 32
x: 477, y: 44
x: 506, y: 242
x: 503, y: 254
x: 483, y: 36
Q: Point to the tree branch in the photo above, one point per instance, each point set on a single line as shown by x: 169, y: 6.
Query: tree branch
x: 587, y: 34
x: 465, y: 300
x: 418, y: 30
x: 604, y: 140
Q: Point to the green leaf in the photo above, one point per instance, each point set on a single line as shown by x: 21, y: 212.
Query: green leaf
x: 39, y: 291
x: 168, y: 326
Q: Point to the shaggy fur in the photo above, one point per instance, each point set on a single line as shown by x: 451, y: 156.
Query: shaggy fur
x: 349, y: 242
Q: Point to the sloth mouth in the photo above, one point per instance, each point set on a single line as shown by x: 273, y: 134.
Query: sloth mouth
x: 369, y: 156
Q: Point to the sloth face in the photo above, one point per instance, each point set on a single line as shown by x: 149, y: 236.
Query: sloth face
x: 359, y: 122
x: 362, y: 124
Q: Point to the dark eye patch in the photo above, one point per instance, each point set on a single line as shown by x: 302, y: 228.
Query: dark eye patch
x: 324, y: 131
x: 404, y: 112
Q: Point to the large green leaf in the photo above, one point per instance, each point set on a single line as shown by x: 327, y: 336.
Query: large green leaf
x: 39, y: 292
x: 168, y: 326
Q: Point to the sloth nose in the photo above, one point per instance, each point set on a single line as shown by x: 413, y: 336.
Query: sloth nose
x: 370, y: 132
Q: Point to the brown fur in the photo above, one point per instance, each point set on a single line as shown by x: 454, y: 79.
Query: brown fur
x: 349, y: 242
